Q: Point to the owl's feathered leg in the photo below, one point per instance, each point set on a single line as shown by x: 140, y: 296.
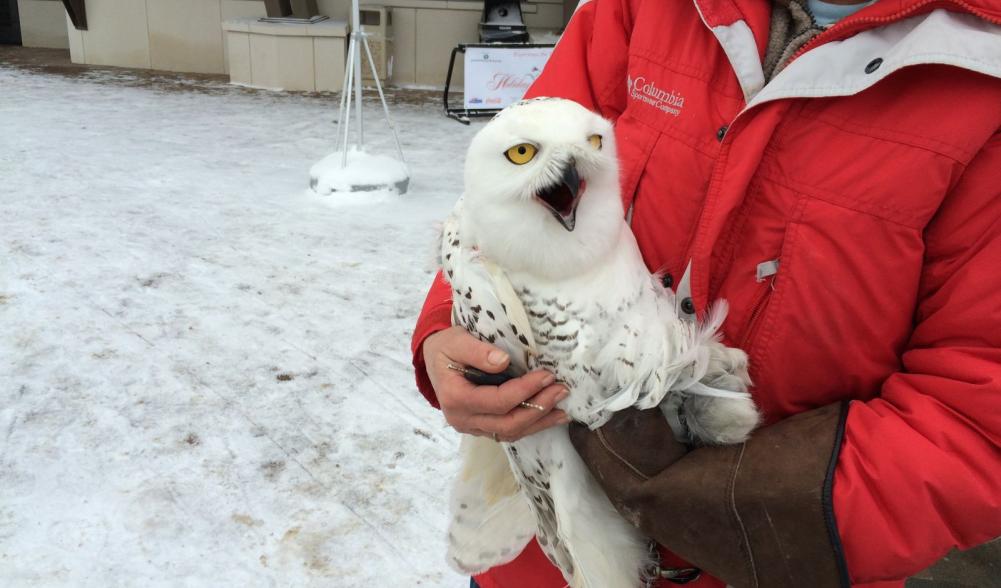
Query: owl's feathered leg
x: 720, y: 420
x: 491, y: 521
x: 607, y: 551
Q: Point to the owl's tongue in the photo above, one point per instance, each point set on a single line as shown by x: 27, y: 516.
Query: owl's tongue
x: 562, y: 199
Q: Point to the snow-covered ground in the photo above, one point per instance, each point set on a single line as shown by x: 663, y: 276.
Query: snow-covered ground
x: 204, y: 370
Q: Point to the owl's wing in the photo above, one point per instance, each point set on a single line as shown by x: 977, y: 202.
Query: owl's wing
x: 478, y: 304
x: 491, y: 519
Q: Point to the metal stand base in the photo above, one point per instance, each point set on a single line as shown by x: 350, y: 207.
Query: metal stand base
x: 366, y: 173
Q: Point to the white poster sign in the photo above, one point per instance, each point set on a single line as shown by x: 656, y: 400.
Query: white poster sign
x: 498, y: 76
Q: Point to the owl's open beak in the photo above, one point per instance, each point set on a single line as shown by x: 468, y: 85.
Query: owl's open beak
x: 562, y: 199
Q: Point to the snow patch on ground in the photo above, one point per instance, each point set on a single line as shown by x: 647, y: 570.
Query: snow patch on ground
x: 204, y: 371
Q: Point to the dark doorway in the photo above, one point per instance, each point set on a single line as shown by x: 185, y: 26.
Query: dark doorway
x: 10, y: 23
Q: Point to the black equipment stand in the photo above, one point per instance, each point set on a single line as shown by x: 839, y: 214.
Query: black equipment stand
x: 463, y: 114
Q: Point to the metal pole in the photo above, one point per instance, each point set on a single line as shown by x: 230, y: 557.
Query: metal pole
x: 355, y: 35
x: 343, y: 113
x: 352, y: 51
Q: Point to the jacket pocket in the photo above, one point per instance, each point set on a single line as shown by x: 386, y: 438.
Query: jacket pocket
x: 841, y: 310
x: 767, y: 274
x: 772, y: 283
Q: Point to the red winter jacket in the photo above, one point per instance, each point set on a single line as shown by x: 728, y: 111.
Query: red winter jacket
x: 870, y: 168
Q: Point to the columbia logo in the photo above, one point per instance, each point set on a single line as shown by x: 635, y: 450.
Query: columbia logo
x: 646, y: 91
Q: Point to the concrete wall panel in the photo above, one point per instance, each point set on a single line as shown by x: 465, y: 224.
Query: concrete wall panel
x: 438, y: 32
x: 404, y: 46
x: 242, y: 8
x: 264, y: 57
x: 185, y: 35
x: 43, y: 24
x: 336, y: 9
x: 298, y: 72
x: 75, y: 38
x: 239, y: 9
x: 117, y: 33
x: 238, y: 50
x: 546, y: 16
x: 329, y: 55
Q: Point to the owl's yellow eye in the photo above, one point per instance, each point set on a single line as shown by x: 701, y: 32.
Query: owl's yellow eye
x: 595, y: 141
x: 521, y: 154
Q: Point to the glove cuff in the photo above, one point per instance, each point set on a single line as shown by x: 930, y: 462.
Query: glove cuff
x: 844, y: 580
x: 758, y: 514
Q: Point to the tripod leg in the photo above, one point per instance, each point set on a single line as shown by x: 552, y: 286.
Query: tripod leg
x: 382, y: 97
x: 358, y: 84
x: 352, y: 50
x: 343, y: 113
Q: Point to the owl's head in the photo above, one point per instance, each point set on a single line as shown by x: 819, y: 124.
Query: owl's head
x: 542, y: 188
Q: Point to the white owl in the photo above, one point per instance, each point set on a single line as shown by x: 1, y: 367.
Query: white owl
x: 542, y: 263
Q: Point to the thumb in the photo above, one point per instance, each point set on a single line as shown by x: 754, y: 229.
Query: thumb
x: 470, y: 351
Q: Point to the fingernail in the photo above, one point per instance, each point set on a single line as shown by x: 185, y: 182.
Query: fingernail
x: 548, y: 380
x: 562, y: 395
x: 565, y: 420
x: 496, y: 357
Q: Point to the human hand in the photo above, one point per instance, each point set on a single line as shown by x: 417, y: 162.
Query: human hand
x: 491, y: 411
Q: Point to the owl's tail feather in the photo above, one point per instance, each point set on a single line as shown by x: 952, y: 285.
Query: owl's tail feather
x: 606, y: 550
x: 491, y: 521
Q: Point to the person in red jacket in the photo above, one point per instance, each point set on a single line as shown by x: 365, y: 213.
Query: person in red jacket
x: 835, y: 174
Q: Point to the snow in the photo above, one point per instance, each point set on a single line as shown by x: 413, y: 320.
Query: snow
x: 364, y: 172
x: 205, y: 371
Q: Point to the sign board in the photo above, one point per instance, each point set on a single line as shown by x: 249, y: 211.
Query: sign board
x: 498, y: 76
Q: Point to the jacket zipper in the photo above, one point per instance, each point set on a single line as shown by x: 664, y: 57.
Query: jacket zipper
x: 767, y: 271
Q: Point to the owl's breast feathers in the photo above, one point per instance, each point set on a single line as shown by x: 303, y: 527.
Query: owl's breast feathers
x: 595, y: 333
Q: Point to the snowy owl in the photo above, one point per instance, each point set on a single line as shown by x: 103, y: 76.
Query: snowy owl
x: 542, y: 264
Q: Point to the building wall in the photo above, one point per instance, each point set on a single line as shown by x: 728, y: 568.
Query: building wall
x: 187, y: 35
x: 116, y: 34
x: 173, y: 35
x: 43, y: 24
x: 426, y: 31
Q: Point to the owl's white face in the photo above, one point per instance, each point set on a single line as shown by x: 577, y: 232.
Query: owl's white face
x: 542, y: 188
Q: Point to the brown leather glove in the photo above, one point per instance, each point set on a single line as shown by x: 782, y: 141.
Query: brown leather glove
x: 758, y: 514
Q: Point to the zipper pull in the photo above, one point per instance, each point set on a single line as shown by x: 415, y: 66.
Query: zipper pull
x: 767, y: 269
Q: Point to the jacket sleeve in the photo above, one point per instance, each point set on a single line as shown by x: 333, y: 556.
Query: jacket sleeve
x: 587, y: 66
x: 435, y: 316
x: 920, y: 468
